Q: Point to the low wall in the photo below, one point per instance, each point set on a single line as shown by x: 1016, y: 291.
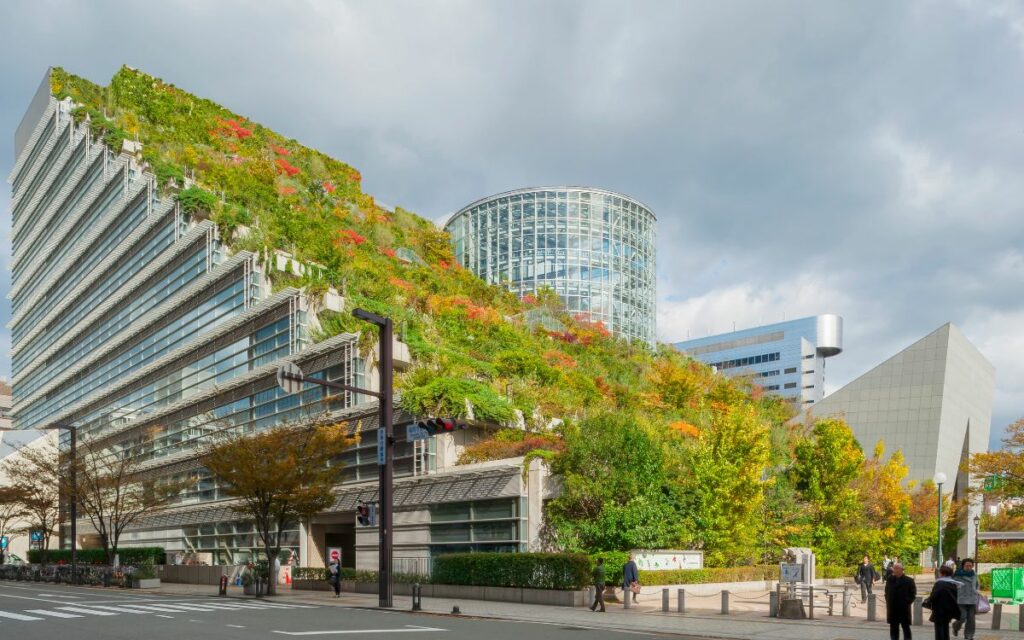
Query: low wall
x: 196, y: 574
x: 552, y: 597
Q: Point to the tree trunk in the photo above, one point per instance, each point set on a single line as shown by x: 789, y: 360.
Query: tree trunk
x: 272, y: 571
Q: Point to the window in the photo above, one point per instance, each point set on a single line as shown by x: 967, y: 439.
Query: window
x: 790, y: 369
x: 772, y: 387
x: 808, y: 386
x: 790, y: 385
x: 809, y: 356
x: 811, y: 371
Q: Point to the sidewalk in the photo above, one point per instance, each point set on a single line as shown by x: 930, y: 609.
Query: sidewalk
x: 641, y: 618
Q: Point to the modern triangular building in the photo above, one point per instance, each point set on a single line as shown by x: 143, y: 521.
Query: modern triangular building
x: 932, y: 401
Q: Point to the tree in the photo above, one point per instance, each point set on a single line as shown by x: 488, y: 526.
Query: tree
x: 1001, y: 473
x: 35, y: 474
x: 12, y: 511
x: 113, y: 493
x: 279, y: 476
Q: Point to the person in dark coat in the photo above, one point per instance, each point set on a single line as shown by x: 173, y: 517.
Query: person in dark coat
x: 900, y: 592
x: 943, y: 604
x: 630, y: 575
x: 599, y: 585
x: 866, y: 577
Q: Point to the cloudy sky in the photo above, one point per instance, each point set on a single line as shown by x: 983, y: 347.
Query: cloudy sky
x: 863, y: 158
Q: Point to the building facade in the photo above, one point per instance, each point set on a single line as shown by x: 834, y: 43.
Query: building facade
x: 786, y: 358
x: 145, y: 330
x: 594, y: 248
x: 932, y: 401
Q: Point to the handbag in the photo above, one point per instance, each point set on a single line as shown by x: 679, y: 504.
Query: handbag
x: 983, y: 605
x: 927, y: 603
x: 634, y: 586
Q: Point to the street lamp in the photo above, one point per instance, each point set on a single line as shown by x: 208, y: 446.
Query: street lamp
x: 940, y: 479
x: 977, y: 541
x: 73, y: 431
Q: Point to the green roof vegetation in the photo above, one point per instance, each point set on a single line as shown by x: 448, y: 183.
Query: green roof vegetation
x: 654, y: 449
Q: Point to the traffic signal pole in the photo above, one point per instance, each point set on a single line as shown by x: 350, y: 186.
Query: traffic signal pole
x: 290, y: 373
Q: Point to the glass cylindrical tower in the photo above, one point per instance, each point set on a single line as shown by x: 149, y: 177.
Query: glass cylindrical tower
x: 594, y: 248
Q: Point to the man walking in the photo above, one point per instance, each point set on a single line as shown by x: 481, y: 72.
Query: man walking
x: 599, y: 585
x: 630, y: 579
x: 866, y: 576
x: 967, y: 598
x: 900, y: 592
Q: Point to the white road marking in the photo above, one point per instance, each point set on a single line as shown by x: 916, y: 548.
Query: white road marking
x: 407, y: 629
x: 57, y: 595
x: 92, y: 612
x: 124, y: 609
x: 160, y: 615
x: 153, y: 607
x: 53, y: 614
x: 235, y: 626
x: 17, y: 616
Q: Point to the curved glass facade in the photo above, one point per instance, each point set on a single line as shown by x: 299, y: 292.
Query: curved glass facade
x: 594, y: 248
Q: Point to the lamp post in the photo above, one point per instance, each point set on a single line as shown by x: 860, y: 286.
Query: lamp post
x: 977, y: 541
x: 940, y: 479
x: 73, y: 432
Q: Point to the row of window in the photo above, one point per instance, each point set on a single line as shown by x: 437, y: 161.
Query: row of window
x: 41, y: 142
x: 746, y: 361
x: 42, y: 173
x: 72, y: 165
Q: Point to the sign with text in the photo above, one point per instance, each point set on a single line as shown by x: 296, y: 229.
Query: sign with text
x: 668, y: 559
x: 412, y: 432
x: 382, y: 445
x: 791, y: 572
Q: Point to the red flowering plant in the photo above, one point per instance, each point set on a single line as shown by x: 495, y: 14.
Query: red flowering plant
x: 388, y: 252
x: 328, y: 187
x: 349, y: 236
x: 281, y: 151
x: 286, y: 167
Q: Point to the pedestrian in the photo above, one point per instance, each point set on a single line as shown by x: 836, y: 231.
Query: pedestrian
x: 967, y: 598
x: 942, y: 602
x: 631, y: 579
x: 900, y: 592
x: 866, y: 577
x: 886, y: 568
x: 335, y: 577
x: 951, y: 563
x: 599, y: 584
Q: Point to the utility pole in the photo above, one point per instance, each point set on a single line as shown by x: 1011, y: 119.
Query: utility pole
x: 291, y: 378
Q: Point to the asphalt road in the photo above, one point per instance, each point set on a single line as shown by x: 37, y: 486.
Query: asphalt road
x: 48, y: 612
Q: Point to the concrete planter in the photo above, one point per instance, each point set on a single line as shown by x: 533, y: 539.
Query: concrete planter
x: 312, y: 585
x: 579, y: 598
x: 145, y: 583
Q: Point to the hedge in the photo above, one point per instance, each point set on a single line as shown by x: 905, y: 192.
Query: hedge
x: 1011, y: 553
x: 529, y: 570
x: 128, y: 555
x: 321, y: 574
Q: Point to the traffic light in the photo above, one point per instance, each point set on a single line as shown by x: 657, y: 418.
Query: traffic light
x: 434, y: 426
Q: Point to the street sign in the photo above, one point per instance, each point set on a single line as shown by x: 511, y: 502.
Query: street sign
x: 412, y: 432
x: 791, y: 572
x: 382, y: 441
x: 334, y: 554
x: 285, y: 373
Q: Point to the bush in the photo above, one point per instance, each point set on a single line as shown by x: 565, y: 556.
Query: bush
x: 528, y: 570
x: 195, y: 199
x: 985, y: 581
x: 128, y: 555
x: 1013, y: 553
x: 708, y: 575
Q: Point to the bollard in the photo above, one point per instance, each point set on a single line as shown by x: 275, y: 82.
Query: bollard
x: 810, y: 602
x: 773, y: 604
x: 725, y: 602
x: 664, y: 599
x: 997, y: 616
x: 1020, y: 618
x: 417, y: 597
x: 846, y: 601
x: 223, y: 586
x: 627, y: 598
x: 831, y: 603
x: 681, y: 600
x: 871, y: 608
x: 918, y: 617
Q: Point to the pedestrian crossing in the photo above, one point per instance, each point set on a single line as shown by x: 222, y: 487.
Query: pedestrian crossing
x: 68, y: 610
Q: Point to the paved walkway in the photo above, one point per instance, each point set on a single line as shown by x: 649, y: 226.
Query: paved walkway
x: 643, y: 618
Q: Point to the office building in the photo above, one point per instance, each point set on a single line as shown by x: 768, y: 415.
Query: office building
x: 787, y: 358
x: 594, y: 248
x: 143, y: 328
x: 932, y: 401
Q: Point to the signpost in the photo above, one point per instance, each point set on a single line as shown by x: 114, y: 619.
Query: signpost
x: 791, y: 572
x: 291, y: 379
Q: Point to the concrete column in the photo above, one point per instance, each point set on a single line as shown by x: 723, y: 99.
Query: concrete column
x: 810, y: 602
x: 681, y: 600
x: 773, y: 604
x: 847, y: 596
x: 1020, y: 617
x: 725, y: 602
x: 997, y: 616
x: 304, y: 543
x: 918, y: 617
x: 627, y: 598
x: 872, y: 607
x: 664, y: 599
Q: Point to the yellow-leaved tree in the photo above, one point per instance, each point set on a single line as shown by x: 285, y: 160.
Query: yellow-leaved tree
x: 279, y: 476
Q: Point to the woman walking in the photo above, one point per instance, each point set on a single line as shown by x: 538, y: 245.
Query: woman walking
x: 967, y: 598
x: 943, y: 604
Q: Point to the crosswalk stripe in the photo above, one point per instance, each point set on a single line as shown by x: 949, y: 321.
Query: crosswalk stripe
x: 53, y: 614
x: 154, y: 607
x: 121, y: 609
x: 17, y: 616
x: 92, y: 612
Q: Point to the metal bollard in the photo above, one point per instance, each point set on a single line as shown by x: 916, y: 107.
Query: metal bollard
x: 872, y: 608
x: 627, y: 598
x: 725, y: 602
x: 997, y: 616
x: 918, y: 617
x: 664, y: 599
x: 847, y: 597
x: 681, y: 600
x: 773, y: 604
x: 810, y: 602
x: 417, y: 597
